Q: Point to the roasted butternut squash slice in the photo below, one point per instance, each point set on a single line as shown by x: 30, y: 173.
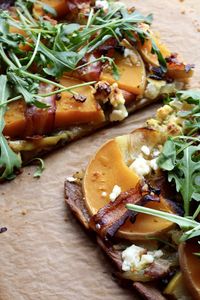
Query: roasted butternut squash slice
x: 22, y: 121
x: 176, y: 288
x: 109, y: 167
x: 131, y: 71
x: 60, y: 7
x: 15, y: 120
x: 146, y: 51
x: 70, y: 111
x: 179, y: 71
x: 105, y: 170
x: 190, y: 266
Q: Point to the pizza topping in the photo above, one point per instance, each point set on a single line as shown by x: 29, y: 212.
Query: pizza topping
x: 41, y: 121
x: 136, y: 258
x: 141, y: 166
x: 115, y: 193
x: 71, y: 179
x: 146, y: 150
x: 113, y: 215
x: 118, y: 114
x: 102, y: 4
x: 79, y: 98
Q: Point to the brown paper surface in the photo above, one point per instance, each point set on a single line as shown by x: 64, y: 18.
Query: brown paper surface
x: 45, y: 254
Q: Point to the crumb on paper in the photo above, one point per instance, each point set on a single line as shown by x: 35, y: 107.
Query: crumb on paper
x: 3, y: 229
x: 24, y: 212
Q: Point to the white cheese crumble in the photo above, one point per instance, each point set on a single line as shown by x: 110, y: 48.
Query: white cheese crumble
x: 128, y: 52
x: 131, y: 256
x: 156, y: 153
x: 115, y: 193
x: 71, y: 179
x: 140, y: 166
x: 119, y: 113
x: 153, y: 164
x: 102, y: 4
x: 103, y: 194
x: 145, y: 150
x: 136, y: 258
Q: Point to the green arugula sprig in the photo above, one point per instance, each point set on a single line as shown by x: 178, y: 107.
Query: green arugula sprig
x: 180, y: 159
x: 180, y: 156
x: 9, y: 160
x: 190, y: 228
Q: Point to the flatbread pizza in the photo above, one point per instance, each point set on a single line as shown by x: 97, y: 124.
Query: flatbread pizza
x: 69, y: 68
x: 139, y: 195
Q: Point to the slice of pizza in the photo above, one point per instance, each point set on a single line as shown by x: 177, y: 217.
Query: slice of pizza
x: 71, y: 67
x: 139, y: 194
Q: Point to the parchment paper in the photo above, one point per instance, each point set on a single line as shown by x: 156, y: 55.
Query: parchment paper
x: 45, y: 254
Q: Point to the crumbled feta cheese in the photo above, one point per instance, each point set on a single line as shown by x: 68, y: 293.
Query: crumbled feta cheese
x: 119, y: 113
x: 102, y: 4
x: 145, y: 150
x: 153, y: 88
x: 71, y: 179
x: 156, y: 253
x: 153, y: 164
x: 140, y: 166
x: 131, y: 257
x: 128, y: 52
x: 103, y: 194
x: 146, y: 259
x: 115, y: 193
x: 136, y: 258
x: 156, y: 153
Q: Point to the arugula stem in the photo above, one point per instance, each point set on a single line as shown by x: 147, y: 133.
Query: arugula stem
x: 34, y: 52
x: 26, y: 13
x: 196, y: 212
x: 10, y: 100
x: 6, y: 59
x: 39, y: 78
x: 15, y: 58
x: 102, y: 58
x: 67, y: 89
x: 183, y: 222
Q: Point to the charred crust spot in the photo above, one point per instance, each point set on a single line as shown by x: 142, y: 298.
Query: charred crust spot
x: 58, y: 97
x: 157, y: 72
x: 189, y: 67
x: 79, y: 98
x: 172, y: 58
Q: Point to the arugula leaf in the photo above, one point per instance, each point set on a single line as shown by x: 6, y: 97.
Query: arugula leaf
x: 49, y: 9
x: 191, y: 96
x: 190, y: 227
x: 9, y: 160
x: 40, y: 167
x: 167, y: 158
x: 161, y: 59
x: 182, y: 162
